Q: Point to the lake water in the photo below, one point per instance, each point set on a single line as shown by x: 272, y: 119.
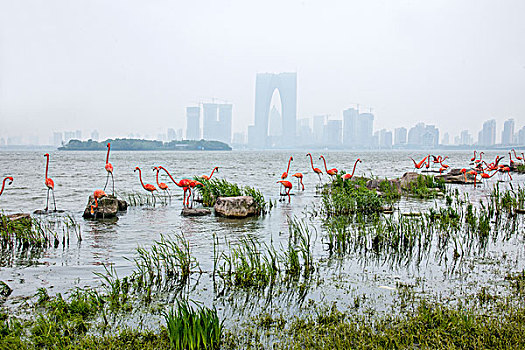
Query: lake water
x: 78, y: 174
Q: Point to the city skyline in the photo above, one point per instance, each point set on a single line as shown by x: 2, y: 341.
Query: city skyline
x: 69, y: 66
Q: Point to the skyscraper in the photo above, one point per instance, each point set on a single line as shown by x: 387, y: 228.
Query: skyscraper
x: 365, y: 126
x: 333, y: 133
x: 400, y: 136
x: 225, y: 123
x: 209, y: 121
x: 350, y: 127
x: 507, y: 135
x: 193, y: 120
x: 318, y: 128
x: 487, y: 136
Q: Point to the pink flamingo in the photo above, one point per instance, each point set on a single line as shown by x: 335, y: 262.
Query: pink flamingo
x: 473, y: 158
x: 516, y: 156
x: 480, y: 157
x: 288, y: 186
x: 3, y: 183
x: 316, y: 170
x: 475, y: 174
x: 511, y: 161
x: 506, y: 169
x: 207, y: 178
x: 420, y: 164
x: 184, y: 183
x: 299, y: 177
x: 162, y: 185
x: 193, y: 184
x: 148, y: 187
x: 97, y: 194
x: 464, y: 172
x: 49, y: 184
x: 285, y: 174
x: 349, y: 176
x: 109, y: 169
x: 331, y: 172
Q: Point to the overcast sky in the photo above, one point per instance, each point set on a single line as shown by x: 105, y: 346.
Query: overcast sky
x: 124, y: 66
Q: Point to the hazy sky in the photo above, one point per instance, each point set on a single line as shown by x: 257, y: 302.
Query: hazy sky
x: 133, y: 66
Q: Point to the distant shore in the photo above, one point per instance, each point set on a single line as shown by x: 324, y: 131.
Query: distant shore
x: 145, y: 145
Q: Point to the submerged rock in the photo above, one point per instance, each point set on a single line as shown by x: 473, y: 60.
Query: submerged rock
x: 21, y: 219
x: 5, y: 291
x: 195, y: 212
x: 236, y: 207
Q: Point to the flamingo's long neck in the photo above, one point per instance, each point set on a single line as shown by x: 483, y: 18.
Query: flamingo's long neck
x: 107, y: 156
x: 353, y: 171
x: 171, y: 177
x: 324, y: 160
x: 3, y: 185
x: 311, y: 161
x: 47, y: 165
x: 158, y: 177
x: 140, y: 178
x: 212, y: 172
x: 289, y: 161
x: 474, y: 154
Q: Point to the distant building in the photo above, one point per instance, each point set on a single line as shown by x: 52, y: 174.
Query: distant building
x: 446, y: 139
x: 276, y: 123
x: 2, y: 142
x: 507, y: 135
x: 209, y: 121
x: 239, y: 138
x: 415, y: 134
x: 78, y: 135
x: 400, y: 136
x: 365, y: 126
x: 94, y: 135
x: 193, y: 119
x: 57, y: 139
x: 318, y: 128
x: 385, y: 139
x: 350, y: 127
x: 422, y: 135
x: 304, y: 132
x: 224, y: 132
x: 333, y: 133
x: 465, y: 138
x: 521, y: 136
x: 487, y: 135
x: 172, y: 135
x: 69, y: 135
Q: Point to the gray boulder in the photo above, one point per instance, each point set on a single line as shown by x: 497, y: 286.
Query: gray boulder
x: 107, y: 208
x: 195, y: 211
x: 236, y: 207
x: 407, y: 179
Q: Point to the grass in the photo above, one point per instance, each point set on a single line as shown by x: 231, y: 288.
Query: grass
x: 215, y: 188
x: 193, y: 328
x: 426, y: 186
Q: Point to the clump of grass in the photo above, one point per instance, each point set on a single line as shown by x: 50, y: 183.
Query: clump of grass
x: 426, y: 186
x: 193, y: 328
x: 140, y: 199
x: 215, y: 188
x: 349, y: 197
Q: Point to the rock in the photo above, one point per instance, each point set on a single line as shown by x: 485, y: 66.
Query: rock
x: 407, y: 179
x: 236, y: 207
x: 5, y: 291
x: 375, y: 184
x: 122, y: 205
x: 107, y: 208
x: 195, y: 212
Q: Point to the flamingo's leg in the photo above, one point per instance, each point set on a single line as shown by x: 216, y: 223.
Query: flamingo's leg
x: 113, y: 183
x: 47, y: 200
x: 54, y: 203
x: 107, y: 179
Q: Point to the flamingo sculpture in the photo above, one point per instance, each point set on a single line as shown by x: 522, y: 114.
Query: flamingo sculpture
x: 184, y: 183
x: 193, y: 184
x: 480, y: 157
x: 285, y: 174
x: 109, y: 169
x: 475, y: 174
x: 516, y: 156
x: 316, y: 170
x: 299, y: 177
x: 506, y: 169
x: 464, y: 172
x: 349, y: 176
x: 332, y: 172
x: 206, y: 177
x: 288, y: 186
x: 162, y: 185
x: 473, y: 158
x: 97, y: 194
x: 420, y: 164
x: 511, y: 161
x: 486, y: 176
x: 3, y: 183
x: 148, y: 187
x: 49, y: 184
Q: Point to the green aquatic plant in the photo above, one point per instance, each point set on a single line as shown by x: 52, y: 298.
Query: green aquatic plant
x: 193, y: 328
x: 215, y: 188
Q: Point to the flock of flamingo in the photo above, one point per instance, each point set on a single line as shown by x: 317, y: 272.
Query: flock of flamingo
x: 480, y: 168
